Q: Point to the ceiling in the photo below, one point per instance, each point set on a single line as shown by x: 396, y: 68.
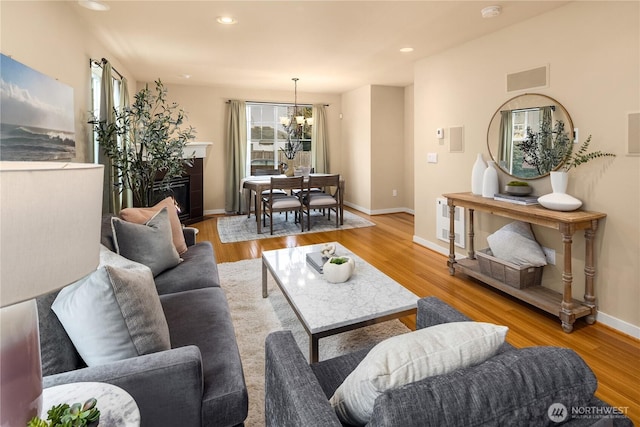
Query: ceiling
x: 332, y: 46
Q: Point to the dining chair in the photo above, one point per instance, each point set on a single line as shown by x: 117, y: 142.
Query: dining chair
x: 328, y: 199
x: 265, y: 172
x: 273, y: 202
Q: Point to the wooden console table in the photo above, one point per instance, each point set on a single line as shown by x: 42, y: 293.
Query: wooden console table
x: 567, y: 223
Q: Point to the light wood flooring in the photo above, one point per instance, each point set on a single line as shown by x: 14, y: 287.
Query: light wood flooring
x: 614, y: 357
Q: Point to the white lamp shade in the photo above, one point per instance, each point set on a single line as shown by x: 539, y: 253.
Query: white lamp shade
x: 50, y: 219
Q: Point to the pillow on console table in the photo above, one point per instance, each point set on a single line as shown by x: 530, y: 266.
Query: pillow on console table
x: 142, y: 215
x: 149, y: 244
x: 411, y: 357
x: 113, y: 313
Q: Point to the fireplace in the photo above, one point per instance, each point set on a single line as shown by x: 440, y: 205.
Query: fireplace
x: 179, y: 190
x: 187, y: 192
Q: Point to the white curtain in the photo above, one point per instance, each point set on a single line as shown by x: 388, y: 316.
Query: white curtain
x: 319, y: 140
x: 236, y: 155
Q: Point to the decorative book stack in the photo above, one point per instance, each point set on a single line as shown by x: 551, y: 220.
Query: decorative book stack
x: 518, y: 200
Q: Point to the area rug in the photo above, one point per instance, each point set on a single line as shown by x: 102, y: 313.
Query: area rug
x: 255, y: 317
x: 239, y: 228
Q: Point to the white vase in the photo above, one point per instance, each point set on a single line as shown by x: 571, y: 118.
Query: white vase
x: 490, y: 184
x: 477, y: 174
x: 559, y: 200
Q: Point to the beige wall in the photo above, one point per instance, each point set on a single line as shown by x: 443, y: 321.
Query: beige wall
x: 374, y: 150
x: 356, y: 147
x: 48, y: 37
x: 593, y: 51
x: 206, y: 109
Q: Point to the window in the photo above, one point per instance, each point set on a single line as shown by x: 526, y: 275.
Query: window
x: 522, y: 120
x: 267, y: 135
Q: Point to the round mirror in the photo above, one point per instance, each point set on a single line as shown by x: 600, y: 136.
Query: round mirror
x: 514, y: 122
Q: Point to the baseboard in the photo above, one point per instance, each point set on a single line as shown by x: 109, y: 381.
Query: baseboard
x: 379, y: 211
x: 606, y: 319
x: 215, y: 212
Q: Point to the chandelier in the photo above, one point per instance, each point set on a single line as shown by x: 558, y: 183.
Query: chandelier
x: 296, y: 125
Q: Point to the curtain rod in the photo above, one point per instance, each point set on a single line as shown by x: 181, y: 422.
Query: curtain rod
x: 101, y: 63
x: 277, y: 103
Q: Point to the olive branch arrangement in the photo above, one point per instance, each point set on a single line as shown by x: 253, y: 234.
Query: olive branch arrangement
x: 550, y: 147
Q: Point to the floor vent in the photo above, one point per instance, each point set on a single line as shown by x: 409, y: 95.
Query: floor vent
x: 442, y: 222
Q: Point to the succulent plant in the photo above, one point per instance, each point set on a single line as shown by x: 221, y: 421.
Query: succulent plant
x: 63, y: 415
x: 339, y: 260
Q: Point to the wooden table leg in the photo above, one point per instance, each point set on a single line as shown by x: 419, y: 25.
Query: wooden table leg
x: 590, y: 272
x: 452, y: 237
x: 567, y: 316
x: 472, y: 252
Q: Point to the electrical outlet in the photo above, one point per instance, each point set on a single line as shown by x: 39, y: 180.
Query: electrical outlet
x: 394, y: 193
x: 550, y: 255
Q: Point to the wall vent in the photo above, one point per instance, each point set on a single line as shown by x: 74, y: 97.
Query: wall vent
x: 528, y: 79
x: 442, y: 222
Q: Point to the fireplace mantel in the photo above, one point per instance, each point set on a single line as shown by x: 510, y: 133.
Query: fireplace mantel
x: 197, y: 148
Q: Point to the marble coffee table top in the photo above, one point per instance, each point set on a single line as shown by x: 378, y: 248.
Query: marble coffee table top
x: 322, y: 306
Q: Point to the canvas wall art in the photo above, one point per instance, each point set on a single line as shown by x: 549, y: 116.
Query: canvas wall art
x: 36, y: 115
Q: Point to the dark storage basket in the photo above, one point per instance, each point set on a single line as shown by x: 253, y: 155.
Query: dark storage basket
x: 513, y: 275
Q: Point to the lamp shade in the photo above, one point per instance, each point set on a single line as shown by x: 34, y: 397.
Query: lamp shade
x: 50, y: 218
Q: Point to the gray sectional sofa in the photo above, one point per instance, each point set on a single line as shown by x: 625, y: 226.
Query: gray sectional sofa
x: 199, y: 381
x: 515, y: 387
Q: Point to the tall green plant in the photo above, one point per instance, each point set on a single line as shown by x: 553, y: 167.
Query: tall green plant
x: 146, y: 143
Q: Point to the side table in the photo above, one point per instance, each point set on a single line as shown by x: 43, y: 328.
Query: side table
x: 117, y: 407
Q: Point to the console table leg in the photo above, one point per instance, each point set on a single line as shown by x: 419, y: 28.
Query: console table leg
x: 567, y: 316
x: 452, y: 238
x: 590, y: 272
x: 472, y: 252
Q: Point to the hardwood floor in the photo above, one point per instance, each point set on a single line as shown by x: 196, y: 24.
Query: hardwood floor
x: 614, y: 357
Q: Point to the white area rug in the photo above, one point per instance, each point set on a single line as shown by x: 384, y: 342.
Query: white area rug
x: 239, y: 228
x: 255, y: 317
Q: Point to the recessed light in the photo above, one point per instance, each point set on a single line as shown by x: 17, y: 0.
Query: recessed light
x: 94, y: 5
x: 226, y: 20
x: 406, y: 49
x: 491, y: 11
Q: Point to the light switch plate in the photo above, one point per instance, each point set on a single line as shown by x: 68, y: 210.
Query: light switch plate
x: 432, y: 157
x: 440, y: 133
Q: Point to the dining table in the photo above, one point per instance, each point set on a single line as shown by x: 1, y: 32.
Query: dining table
x: 256, y: 184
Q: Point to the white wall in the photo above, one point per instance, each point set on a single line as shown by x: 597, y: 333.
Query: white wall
x: 593, y: 50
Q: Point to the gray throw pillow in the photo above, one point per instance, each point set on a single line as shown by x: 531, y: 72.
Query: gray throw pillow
x: 516, y: 244
x: 150, y: 244
x: 113, y: 313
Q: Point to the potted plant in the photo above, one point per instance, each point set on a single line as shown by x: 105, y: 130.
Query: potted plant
x: 146, y: 143
x: 338, y: 269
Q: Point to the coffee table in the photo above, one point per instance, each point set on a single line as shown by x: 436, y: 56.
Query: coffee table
x: 324, y: 308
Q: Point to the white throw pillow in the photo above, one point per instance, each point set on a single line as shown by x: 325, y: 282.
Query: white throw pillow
x: 516, y: 244
x: 113, y: 313
x: 411, y: 357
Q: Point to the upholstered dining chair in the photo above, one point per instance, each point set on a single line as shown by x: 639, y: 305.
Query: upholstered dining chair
x: 265, y: 172
x: 327, y: 199
x: 273, y: 202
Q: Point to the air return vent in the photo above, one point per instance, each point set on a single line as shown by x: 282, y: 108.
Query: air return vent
x: 528, y: 79
x: 633, y: 134
x: 442, y: 222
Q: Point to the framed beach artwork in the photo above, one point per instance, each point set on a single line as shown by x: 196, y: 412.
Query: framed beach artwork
x: 36, y: 115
